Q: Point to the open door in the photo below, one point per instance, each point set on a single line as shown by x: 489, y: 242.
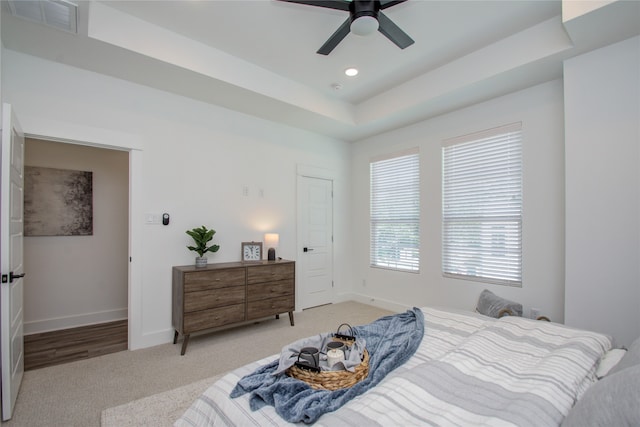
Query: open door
x: 11, y: 266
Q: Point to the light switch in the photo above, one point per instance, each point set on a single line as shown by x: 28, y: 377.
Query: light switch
x: 152, y: 218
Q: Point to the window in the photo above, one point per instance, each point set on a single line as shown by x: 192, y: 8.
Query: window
x: 395, y: 212
x: 482, y: 206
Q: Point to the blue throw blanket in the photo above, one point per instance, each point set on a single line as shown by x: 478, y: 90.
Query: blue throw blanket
x: 391, y: 341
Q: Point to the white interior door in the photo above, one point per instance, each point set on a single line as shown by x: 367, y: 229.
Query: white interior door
x: 315, y: 225
x: 11, y: 212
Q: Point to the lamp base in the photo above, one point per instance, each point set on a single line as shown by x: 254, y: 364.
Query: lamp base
x: 271, y: 254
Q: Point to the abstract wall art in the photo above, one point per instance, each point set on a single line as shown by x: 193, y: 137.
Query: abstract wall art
x: 57, y: 202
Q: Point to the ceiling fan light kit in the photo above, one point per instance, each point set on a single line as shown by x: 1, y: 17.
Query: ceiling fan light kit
x: 364, y: 25
x: 365, y: 17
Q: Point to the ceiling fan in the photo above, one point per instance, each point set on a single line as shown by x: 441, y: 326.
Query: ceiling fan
x: 365, y: 17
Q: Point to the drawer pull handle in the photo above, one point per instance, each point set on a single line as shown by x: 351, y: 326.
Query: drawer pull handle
x: 218, y: 279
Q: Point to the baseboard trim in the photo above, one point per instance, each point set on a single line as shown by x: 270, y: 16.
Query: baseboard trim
x: 150, y: 339
x: 67, y: 322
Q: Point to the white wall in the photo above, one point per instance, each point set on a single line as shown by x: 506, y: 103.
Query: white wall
x: 80, y: 280
x: 602, y: 109
x: 540, y: 109
x: 193, y: 163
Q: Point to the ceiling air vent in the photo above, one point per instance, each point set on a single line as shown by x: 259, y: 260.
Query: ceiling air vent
x: 60, y: 14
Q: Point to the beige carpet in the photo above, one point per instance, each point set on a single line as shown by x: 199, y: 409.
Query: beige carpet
x: 75, y: 394
x: 159, y: 410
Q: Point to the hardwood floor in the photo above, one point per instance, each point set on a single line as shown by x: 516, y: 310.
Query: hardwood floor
x: 68, y: 345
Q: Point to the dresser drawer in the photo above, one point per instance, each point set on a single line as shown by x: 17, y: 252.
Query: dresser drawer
x: 270, y: 290
x: 268, y: 307
x: 213, y: 279
x: 202, y: 300
x: 269, y: 273
x: 212, y: 318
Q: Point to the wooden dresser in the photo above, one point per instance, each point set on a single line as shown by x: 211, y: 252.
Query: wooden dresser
x: 230, y: 293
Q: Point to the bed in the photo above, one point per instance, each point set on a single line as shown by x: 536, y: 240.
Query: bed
x: 468, y: 370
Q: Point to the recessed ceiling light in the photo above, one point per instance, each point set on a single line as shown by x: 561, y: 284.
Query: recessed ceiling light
x: 351, y: 72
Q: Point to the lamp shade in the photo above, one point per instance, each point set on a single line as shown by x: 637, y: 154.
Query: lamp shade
x: 271, y: 240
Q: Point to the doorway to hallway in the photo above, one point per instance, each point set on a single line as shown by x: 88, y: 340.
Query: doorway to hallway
x: 78, y: 285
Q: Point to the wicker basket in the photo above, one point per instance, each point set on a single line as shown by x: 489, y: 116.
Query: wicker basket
x: 332, y: 380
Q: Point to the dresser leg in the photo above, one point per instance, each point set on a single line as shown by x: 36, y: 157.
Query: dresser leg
x: 291, y: 318
x: 184, y: 344
x: 277, y: 316
x: 175, y: 337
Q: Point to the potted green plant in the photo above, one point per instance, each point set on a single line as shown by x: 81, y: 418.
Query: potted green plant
x: 202, y: 236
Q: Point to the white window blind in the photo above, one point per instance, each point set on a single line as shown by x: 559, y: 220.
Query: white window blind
x: 482, y: 206
x: 395, y: 212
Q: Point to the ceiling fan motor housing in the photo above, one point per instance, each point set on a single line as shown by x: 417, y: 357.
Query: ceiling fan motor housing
x: 360, y: 8
x: 364, y: 17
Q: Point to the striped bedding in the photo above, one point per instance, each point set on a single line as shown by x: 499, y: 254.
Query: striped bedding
x: 469, y: 370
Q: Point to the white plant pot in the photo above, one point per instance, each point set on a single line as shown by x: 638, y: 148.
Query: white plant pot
x: 201, y: 261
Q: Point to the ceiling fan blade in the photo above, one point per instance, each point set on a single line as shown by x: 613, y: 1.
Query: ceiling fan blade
x: 335, y: 38
x: 388, y: 3
x: 329, y: 4
x: 393, y: 32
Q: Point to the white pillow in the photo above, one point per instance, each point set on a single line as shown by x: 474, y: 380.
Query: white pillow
x: 609, y: 360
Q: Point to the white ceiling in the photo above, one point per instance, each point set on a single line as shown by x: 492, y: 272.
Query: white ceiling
x: 258, y: 56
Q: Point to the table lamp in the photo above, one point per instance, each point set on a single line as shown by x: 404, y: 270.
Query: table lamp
x: 271, y: 241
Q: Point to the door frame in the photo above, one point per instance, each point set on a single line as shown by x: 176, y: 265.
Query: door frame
x: 316, y: 172
x: 71, y: 133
